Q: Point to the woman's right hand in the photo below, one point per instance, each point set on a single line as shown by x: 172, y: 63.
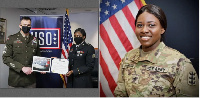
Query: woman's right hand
x: 69, y: 73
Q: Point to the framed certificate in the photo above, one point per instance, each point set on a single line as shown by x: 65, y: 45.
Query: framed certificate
x: 53, y: 65
x: 41, y: 64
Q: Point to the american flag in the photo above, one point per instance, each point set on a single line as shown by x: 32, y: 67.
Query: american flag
x: 117, y: 37
x: 67, y: 41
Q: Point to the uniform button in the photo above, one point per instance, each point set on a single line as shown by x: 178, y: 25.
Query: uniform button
x: 26, y: 46
x: 26, y: 61
x: 26, y: 51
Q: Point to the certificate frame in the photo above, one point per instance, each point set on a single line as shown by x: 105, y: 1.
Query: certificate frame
x: 41, y: 64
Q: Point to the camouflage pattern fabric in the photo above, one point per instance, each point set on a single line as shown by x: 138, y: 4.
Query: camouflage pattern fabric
x: 163, y: 72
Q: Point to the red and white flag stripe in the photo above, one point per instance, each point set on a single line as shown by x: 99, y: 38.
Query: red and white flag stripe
x: 117, y: 37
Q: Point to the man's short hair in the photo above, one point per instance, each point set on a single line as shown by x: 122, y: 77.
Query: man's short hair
x: 25, y: 18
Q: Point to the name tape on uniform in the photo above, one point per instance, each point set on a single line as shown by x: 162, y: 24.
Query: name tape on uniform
x: 156, y: 68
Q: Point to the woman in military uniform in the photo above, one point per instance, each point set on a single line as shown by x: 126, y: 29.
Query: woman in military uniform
x: 154, y: 69
x: 81, y: 62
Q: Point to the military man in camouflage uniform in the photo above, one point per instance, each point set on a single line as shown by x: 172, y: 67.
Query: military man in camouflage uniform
x: 163, y: 72
x: 18, y: 55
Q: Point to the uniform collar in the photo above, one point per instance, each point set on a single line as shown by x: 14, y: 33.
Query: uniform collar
x: 20, y: 37
x: 151, y: 56
x: 24, y: 34
x: 82, y: 43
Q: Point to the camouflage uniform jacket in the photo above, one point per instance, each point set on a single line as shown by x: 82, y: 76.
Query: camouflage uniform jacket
x: 18, y: 53
x: 162, y: 72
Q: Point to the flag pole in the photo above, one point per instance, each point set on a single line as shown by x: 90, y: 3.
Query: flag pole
x: 61, y: 75
x: 143, y: 2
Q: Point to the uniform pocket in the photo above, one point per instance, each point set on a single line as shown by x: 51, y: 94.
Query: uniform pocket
x: 17, y: 48
x: 129, y: 73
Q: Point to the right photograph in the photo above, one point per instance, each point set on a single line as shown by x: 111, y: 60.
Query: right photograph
x: 149, y: 48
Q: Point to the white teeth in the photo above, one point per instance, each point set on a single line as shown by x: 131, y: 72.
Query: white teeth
x: 145, y: 38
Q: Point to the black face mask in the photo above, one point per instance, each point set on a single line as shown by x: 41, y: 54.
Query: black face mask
x: 26, y: 29
x: 78, y: 40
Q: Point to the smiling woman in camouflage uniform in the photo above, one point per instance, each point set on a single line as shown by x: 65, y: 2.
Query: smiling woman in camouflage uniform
x: 153, y: 69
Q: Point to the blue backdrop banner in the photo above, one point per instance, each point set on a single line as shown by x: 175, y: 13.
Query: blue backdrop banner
x: 49, y: 30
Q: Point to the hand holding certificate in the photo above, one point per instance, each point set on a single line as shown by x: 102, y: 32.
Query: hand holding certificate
x: 43, y: 64
x: 59, y: 66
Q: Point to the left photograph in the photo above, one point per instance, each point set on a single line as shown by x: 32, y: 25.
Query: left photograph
x: 49, y: 48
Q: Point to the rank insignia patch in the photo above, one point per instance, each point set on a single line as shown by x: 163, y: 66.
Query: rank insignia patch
x: 93, y: 56
x: 191, y: 78
x: 11, y: 64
